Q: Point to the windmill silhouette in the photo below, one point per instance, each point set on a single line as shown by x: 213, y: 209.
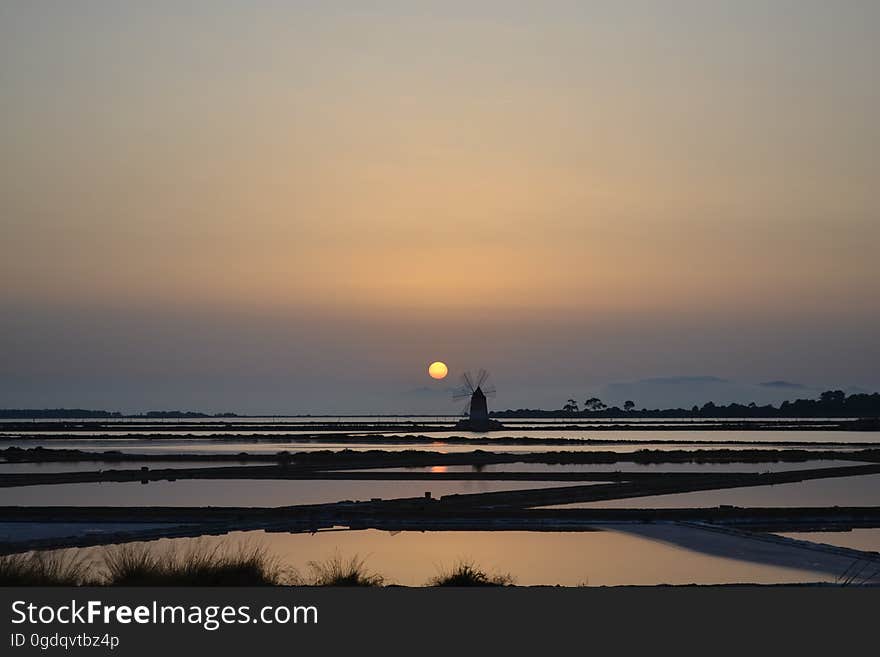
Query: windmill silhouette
x: 475, y: 389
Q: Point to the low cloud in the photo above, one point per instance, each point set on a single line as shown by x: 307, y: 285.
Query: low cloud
x: 687, y: 391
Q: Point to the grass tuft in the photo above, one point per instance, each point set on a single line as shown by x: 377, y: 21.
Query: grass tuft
x: 198, y: 564
x: 59, y: 568
x: 138, y: 565
x: 466, y: 573
x: 336, y: 571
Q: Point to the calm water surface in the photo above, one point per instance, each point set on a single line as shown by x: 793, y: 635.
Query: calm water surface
x: 623, y: 466
x: 845, y: 491
x: 617, y: 555
x: 857, y: 539
x: 645, y: 436
x: 171, y: 446
x: 91, y: 466
x: 219, y: 492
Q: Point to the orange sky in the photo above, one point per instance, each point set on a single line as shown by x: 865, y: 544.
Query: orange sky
x: 443, y: 167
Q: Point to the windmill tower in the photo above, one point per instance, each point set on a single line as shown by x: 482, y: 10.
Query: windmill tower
x: 475, y: 389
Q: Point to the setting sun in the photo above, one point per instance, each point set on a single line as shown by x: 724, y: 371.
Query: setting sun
x: 438, y: 370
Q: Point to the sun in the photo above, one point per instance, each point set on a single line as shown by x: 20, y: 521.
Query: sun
x: 438, y: 370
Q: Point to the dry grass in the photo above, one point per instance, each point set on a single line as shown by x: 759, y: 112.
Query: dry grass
x: 59, y: 568
x: 466, y: 573
x: 201, y: 565
x: 198, y: 565
x: 337, y: 571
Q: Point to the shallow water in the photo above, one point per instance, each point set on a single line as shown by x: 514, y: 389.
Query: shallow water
x: 622, y: 466
x: 866, y: 539
x: 294, y: 420
x: 863, y: 490
x: 617, y: 555
x: 324, y: 419
x: 641, y: 435
x: 171, y: 446
x: 21, y: 531
x: 219, y: 492
x: 91, y: 466
x: 648, y: 435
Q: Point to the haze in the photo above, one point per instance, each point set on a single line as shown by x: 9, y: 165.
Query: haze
x: 279, y: 207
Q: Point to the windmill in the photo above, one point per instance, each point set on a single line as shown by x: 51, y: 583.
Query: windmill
x: 475, y: 389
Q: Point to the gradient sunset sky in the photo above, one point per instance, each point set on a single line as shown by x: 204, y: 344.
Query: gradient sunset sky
x: 296, y: 206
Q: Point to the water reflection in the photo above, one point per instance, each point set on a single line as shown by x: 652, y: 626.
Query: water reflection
x: 219, y: 492
x: 624, y: 466
x: 92, y: 466
x: 171, y: 446
x: 866, y: 539
x: 437, y: 437
x: 863, y: 490
x: 615, y: 556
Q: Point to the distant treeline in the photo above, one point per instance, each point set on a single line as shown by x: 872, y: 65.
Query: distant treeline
x: 832, y: 403
x: 70, y: 413
x: 54, y: 413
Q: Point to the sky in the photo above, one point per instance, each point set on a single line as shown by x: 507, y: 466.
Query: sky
x: 292, y: 207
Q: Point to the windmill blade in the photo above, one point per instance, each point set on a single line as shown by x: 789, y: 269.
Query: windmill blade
x: 469, y: 381
x: 489, y: 391
x: 461, y: 393
x: 482, y: 375
x: 466, y: 410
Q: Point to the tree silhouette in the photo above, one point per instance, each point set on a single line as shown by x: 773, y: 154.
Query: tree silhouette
x: 594, y: 404
x: 628, y: 405
x: 571, y: 406
x: 832, y: 397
